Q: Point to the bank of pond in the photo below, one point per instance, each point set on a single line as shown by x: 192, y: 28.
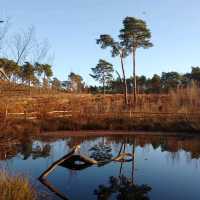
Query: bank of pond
x: 149, y: 122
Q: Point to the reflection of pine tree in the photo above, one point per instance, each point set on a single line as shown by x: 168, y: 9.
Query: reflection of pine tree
x: 101, y: 152
x: 27, y: 150
x: 123, y: 189
x: 41, y: 152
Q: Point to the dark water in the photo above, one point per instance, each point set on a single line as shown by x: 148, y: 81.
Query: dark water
x: 163, y: 168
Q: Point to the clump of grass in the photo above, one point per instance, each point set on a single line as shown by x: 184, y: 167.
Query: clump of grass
x: 15, y: 188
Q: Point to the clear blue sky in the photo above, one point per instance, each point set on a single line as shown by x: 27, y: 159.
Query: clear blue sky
x: 72, y: 27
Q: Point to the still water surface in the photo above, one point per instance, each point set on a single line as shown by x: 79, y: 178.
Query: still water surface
x: 163, y: 167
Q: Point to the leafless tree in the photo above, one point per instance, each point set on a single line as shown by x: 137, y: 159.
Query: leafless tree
x: 25, y: 46
x: 21, y: 45
x: 40, y: 51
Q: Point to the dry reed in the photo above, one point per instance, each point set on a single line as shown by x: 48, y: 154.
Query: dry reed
x: 15, y: 188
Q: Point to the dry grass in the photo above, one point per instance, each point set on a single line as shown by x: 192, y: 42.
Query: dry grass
x: 42, y: 101
x: 15, y: 188
x: 176, y: 111
x: 185, y: 99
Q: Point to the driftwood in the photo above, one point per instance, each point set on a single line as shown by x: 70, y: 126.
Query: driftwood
x: 53, y: 189
x: 55, y: 164
x: 78, y: 162
x: 70, y: 161
x: 123, y: 157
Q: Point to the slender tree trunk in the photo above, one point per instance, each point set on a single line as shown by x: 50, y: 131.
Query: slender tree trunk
x: 134, y: 78
x: 44, y: 81
x: 124, y: 81
x: 103, y: 83
x: 103, y: 87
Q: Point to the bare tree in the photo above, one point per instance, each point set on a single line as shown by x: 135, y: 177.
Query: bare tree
x: 22, y: 44
x: 40, y: 51
x: 26, y: 47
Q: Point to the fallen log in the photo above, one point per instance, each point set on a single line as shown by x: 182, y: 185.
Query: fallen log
x: 124, y: 157
x: 55, y: 164
x: 53, y: 189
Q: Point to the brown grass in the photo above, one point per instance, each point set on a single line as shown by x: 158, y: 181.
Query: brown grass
x: 15, y: 188
x: 179, y: 110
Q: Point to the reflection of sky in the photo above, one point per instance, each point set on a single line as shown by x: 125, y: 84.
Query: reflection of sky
x: 169, y: 178
x: 170, y: 175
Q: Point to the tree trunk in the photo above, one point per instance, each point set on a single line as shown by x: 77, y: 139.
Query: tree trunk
x: 134, y: 79
x: 124, y: 81
x: 103, y: 83
x: 103, y: 87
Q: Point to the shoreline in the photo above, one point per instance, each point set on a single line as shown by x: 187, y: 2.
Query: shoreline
x: 102, y: 133
x: 93, y: 126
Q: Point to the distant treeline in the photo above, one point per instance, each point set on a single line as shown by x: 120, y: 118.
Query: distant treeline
x: 40, y: 75
x: 156, y: 84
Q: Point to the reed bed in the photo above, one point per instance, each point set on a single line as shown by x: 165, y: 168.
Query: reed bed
x: 15, y: 187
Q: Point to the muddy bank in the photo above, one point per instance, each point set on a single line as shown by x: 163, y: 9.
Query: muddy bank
x: 102, y: 133
x: 22, y: 127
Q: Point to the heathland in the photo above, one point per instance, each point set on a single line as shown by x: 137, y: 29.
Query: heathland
x: 50, y: 110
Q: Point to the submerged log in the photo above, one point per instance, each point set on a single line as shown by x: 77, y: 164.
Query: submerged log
x: 53, y: 189
x: 69, y: 161
x: 78, y: 162
x: 124, y: 157
x: 55, y: 164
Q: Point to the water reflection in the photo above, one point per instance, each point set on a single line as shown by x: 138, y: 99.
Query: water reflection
x: 101, y: 152
x: 171, y: 144
x: 35, y: 151
x: 26, y: 148
x: 123, y: 188
x: 160, y: 164
x: 10, y: 148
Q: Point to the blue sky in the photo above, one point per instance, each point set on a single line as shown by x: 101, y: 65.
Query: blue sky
x: 72, y: 26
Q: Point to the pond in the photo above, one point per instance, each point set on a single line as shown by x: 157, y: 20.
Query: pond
x: 163, y: 167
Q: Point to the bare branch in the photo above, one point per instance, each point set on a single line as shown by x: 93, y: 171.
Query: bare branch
x: 40, y: 51
x: 22, y: 45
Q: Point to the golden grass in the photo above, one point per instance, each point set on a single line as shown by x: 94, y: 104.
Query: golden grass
x: 15, y: 188
x: 179, y: 100
x: 179, y: 110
